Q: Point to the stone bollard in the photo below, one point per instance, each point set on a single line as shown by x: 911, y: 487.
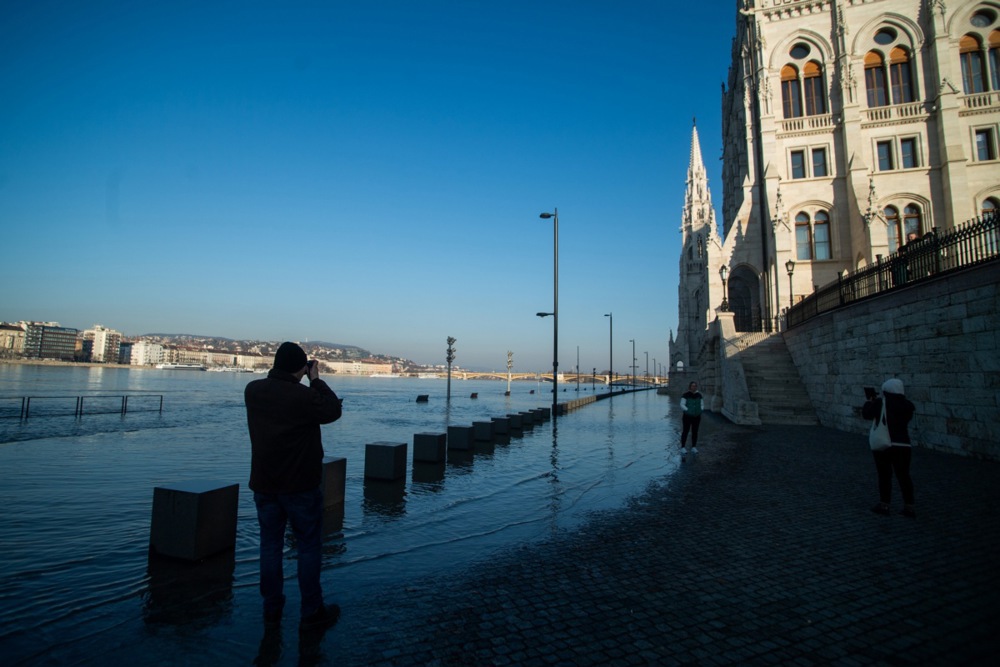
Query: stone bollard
x: 540, y: 417
x: 385, y: 460
x: 483, y: 431
x: 460, y: 437
x: 193, y: 520
x: 546, y: 413
x: 527, y: 420
x: 422, y: 398
x: 516, y: 421
x: 429, y: 447
x: 334, y: 480
x: 501, y: 425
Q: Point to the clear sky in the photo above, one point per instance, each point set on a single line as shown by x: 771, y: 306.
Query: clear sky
x: 363, y: 172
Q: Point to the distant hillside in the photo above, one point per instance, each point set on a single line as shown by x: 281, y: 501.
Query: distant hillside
x: 261, y: 346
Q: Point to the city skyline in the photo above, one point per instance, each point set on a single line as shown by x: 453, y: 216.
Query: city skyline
x: 367, y: 174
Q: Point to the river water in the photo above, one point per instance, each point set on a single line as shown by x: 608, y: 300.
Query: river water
x: 77, y: 585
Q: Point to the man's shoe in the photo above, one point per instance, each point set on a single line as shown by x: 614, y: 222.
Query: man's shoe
x: 324, y: 617
x: 684, y: 451
x: 694, y: 450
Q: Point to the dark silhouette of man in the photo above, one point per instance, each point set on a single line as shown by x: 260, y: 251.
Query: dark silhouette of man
x: 286, y: 471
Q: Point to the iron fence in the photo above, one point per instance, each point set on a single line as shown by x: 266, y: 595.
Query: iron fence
x: 969, y: 244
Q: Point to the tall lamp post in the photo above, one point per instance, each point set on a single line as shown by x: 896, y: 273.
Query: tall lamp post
x: 450, y: 358
x: 646, y: 379
x: 724, y: 273
x: 510, y: 365
x: 611, y: 350
x: 790, y: 267
x: 555, y: 306
x: 632, y: 340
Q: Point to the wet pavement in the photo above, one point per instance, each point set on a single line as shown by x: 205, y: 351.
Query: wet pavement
x: 760, y: 550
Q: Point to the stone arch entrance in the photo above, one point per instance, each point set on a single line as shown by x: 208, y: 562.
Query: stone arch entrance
x: 744, y: 299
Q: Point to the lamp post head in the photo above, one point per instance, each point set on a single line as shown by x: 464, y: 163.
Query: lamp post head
x: 723, y: 272
x: 790, y: 267
x: 546, y: 216
x: 544, y: 314
x: 607, y: 314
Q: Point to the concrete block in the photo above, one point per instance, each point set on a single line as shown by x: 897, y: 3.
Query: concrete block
x: 385, y: 460
x: 483, y: 431
x: 501, y: 425
x: 334, y: 480
x: 546, y: 413
x: 194, y: 519
x: 430, y: 447
x: 516, y: 421
x: 528, y: 420
x: 460, y: 437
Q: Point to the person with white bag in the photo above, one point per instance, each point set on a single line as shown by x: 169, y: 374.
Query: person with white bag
x: 890, y: 442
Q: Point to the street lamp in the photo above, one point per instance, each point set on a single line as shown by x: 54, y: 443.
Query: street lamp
x: 790, y: 267
x: 450, y: 358
x: 611, y: 349
x: 632, y: 340
x: 646, y: 379
x: 554, y: 378
x: 724, y: 273
x: 555, y: 305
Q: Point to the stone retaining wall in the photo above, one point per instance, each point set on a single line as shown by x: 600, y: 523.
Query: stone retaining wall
x: 940, y: 337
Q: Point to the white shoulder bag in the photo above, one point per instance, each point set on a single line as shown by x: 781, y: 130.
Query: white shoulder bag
x: 878, y: 438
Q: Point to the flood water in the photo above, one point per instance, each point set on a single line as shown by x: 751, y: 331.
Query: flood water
x: 77, y: 585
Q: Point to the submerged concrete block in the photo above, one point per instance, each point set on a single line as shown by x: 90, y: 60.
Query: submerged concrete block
x: 516, y: 421
x: 385, y: 460
x: 334, y: 480
x: 483, y: 431
x: 460, y: 437
x: 194, y: 519
x: 430, y: 447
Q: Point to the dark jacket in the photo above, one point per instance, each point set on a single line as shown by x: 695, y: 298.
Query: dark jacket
x: 284, y: 418
x: 898, y: 413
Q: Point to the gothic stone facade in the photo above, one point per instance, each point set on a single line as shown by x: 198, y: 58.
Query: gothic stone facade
x: 847, y: 126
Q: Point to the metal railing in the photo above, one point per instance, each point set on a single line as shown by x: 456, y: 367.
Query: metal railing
x: 55, y: 406
x: 972, y: 243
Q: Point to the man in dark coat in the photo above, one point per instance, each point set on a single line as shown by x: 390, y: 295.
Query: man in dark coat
x: 286, y: 470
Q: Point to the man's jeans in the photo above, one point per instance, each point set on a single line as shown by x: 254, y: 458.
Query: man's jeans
x: 305, y: 512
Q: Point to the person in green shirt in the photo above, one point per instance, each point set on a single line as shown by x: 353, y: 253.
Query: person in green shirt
x: 691, y: 404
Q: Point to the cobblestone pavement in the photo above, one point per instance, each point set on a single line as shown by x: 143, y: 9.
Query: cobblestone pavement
x: 761, y: 550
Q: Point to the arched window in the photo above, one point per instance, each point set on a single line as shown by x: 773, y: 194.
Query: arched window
x: 973, y: 72
x: 812, y: 78
x: 901, y: 76
x: 894, y: 230
x: 812, y: 236
x: 990, y: 207
x: 995, y: 58
x: 791, y: 94
x: 821, y: 235
x: 912, y: 222
x: 875, y: 81
x: 803, y: 237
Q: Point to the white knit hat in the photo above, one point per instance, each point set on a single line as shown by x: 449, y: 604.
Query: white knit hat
x: 892, y: 386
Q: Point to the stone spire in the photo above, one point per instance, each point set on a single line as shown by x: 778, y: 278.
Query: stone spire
x: 698, y: 211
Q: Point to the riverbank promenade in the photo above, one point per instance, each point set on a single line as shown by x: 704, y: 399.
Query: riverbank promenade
x: 761, y: 550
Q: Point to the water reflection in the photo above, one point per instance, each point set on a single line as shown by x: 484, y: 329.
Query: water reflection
x: 184, y: 593
x: 385, y: 498
x: 429, y: 475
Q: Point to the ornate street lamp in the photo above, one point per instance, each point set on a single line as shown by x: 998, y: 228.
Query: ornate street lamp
x: 724, y: 273
x: 790, y: 267
x: 450, y: 358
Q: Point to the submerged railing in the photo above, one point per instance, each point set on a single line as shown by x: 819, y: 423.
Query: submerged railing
x: 972, y: 243
x: 94, y: 404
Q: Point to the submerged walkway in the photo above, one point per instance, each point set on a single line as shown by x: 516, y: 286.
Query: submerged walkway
x: 762, y: 550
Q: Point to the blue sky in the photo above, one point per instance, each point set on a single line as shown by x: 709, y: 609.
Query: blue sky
x: 368, y: 173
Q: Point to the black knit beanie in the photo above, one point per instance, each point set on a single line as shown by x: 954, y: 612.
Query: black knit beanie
x: 289, y: 358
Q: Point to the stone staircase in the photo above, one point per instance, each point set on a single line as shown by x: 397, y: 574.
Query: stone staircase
x: 773, y: 381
